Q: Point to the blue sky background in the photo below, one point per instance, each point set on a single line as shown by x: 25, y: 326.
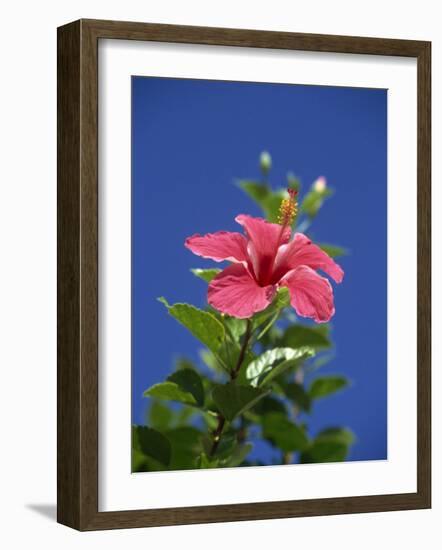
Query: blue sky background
x: 190, y: 140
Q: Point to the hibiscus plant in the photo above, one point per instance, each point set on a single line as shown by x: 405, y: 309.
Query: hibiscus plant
x: 265, y: 333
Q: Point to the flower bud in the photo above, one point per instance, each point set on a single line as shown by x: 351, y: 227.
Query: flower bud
x: 265, y: 162
x: 320, y: 185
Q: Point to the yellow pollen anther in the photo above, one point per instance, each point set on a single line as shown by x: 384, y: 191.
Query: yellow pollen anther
x: 288, y: 208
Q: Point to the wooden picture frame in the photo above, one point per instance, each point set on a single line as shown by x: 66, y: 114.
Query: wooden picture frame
x: 78, y: 274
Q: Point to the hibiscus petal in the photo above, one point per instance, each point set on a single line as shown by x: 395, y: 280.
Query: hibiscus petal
x: 265, y: 238
x: 236, y: 293
x: 301, y: 251
x: 310, y: 294
x: 219, y: 246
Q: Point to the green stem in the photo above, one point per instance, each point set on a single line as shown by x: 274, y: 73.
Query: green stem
x: 287, y: 458
x: 268, y: 326
x: 217, y: 434
x: 233, y: 374
x: 243, y: 350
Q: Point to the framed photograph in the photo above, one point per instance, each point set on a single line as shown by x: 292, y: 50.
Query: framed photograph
x: 243, y: 274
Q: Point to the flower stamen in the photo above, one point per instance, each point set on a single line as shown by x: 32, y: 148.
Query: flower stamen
x: 288, y: 208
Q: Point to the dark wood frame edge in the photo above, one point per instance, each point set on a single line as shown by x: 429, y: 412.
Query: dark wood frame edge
x: 77, y: 279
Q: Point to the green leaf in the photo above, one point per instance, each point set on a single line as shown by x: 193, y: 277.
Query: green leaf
x: 332, y: 250
x: 301, y: 335
x: 160, y: 416
x: 266, y: 198
x: 210, y: 418
x: 235, y: 327
x: 238, y: 456
x: 169, y: 391
x: 228, y: 356
x: 189, y: 381
x: 233, y: 399
x: 301, y: 355
x: 139, y: 462
x: 280, y: 301
x: 206, y: 274
x: 283, y: 433
x: 269, y: 405
x: 185, y: 445
x: 313, y: 201
x: 322, y: 360
x: 325, y: 452
x: 151, y: 443
x: 272, y: 338
x: 184, y: 386
x: 266, y: 360
x: 210, y: 360
x: 257, y: 191
x: 202, y: 324
x: 296, y: 393
x: 184, y: 363
x: 204, y: 462
x: 330, y: 445
x: 184, y: 415
x: 341, y: 435
x: 326, y: 385
x: 226, y: 445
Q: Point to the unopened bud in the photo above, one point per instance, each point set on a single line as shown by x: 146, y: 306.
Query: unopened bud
x: 320, y: 185
x: 265, y: 162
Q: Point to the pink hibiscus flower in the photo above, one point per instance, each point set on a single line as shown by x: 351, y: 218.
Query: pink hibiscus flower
x: 265, y: 259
